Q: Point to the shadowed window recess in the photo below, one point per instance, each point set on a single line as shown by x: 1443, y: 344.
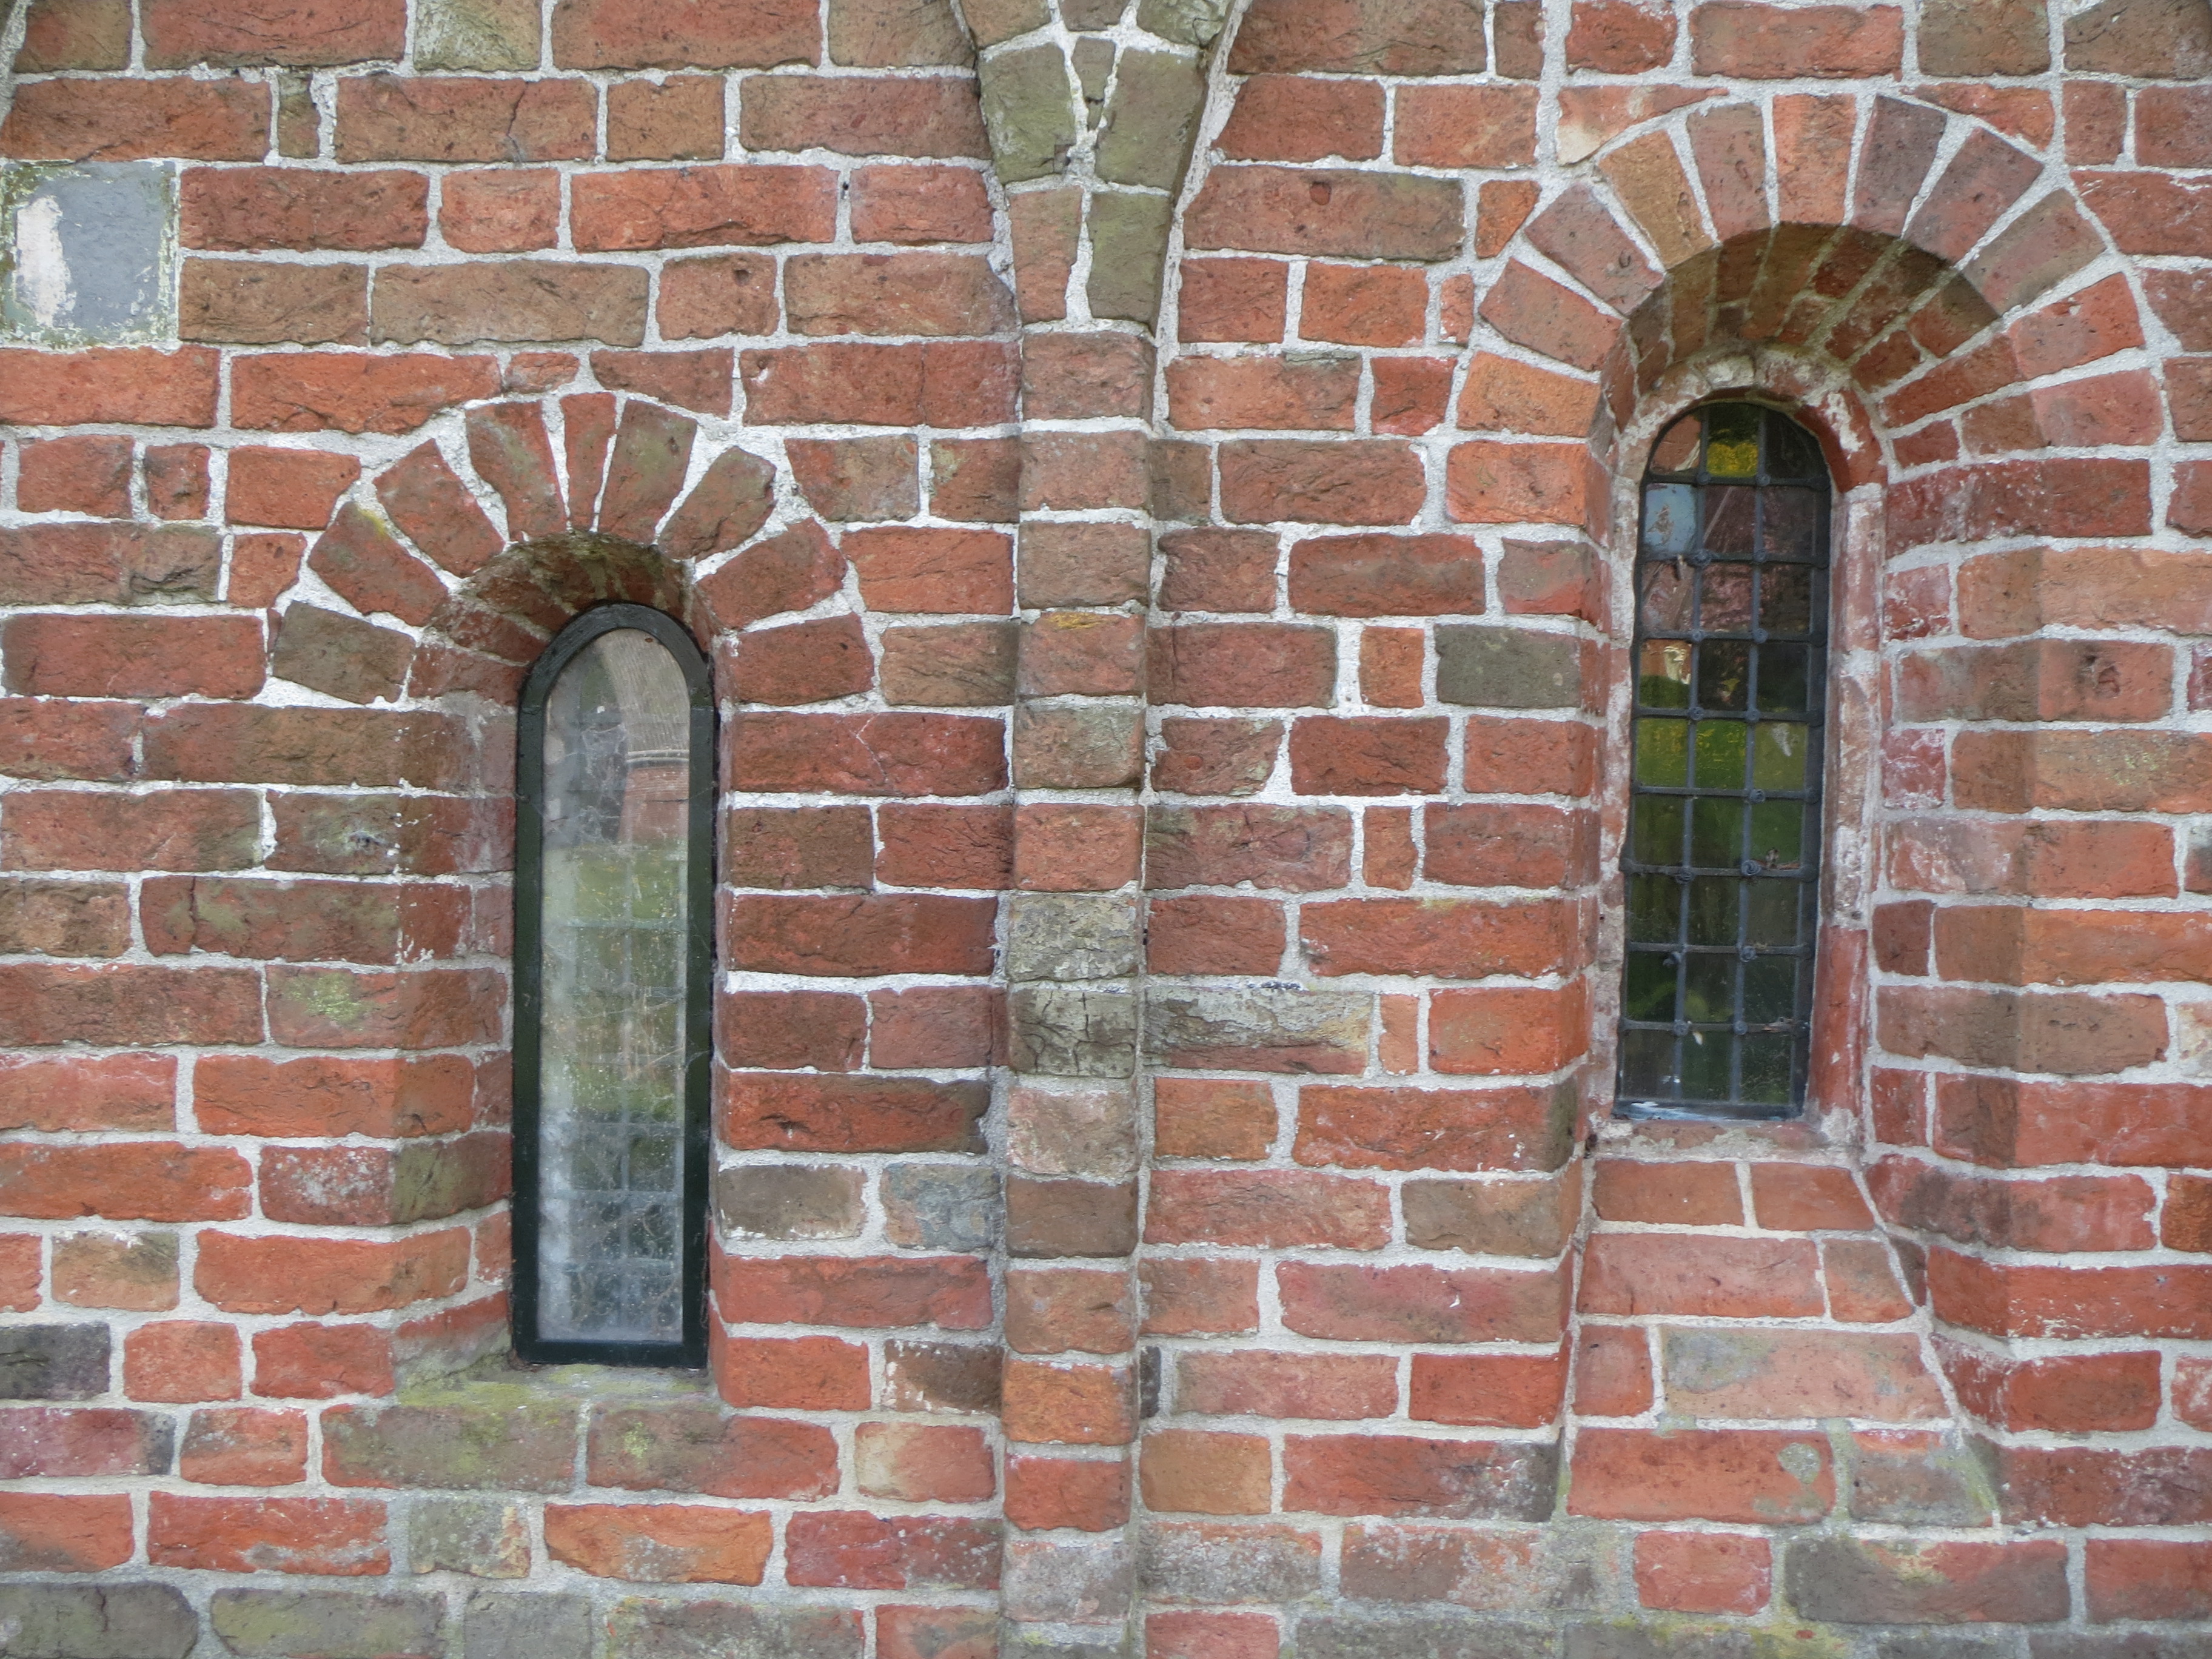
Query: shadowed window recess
x: 1723, y: 855
x: 614, y: 960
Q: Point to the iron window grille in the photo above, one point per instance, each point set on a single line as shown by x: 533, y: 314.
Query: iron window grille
x: 1723, y: 856
x: 614, y: 963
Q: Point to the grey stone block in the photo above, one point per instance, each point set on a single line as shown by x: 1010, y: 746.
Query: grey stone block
x: 1342, y: 1636
x: 1048, y: 1581
x: 284, y: 1624
x: 510, y: 1625
x: 642, y: 1629
x: 53, y: 1361
x: 782, y: 1200
x: 482, y: 1537
x: 93, y: 248
x: 103, y: 1621
x: 1074, y: 1031
x: 1216, y: 1564
x: 1507, y: 668
x: 1057, y: 936
x: 941, y: 1207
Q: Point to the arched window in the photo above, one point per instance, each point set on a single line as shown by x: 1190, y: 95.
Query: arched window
x: 1723, y: 857
x: 613, y: 943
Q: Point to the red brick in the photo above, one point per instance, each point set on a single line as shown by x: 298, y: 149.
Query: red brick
x: 2009, y: 1299
x: 308, y: 391
x: 178, y: 1360
x: 1807, y: 1197
x: 806, y: 1373
x: 1620, y: 37
x: 660, y: 1543
x: 279, y: 1274
x: 1055, y: 1402
x: 1209, y: 1117
x: 1199, y: 1297
x: 2068, y: 1394
x: 1046, y: 1493
x: 1465, y: 127
x: 1211, y: 1636
x: 51, y: 1532
x: 134, y: 656
x: 1289, y: 119
x: 1741, y: 1475
x: 1703, y: 1571
x: 743, y: 206
x: 148, y: 1181
x: 89, y: 475
x: 1193, y: 1472
x: 1720, y: 1278
x: 1427, y: 575
x: 1391, y: 663
x: 322, y: 1362
x: 138, y: 385
x: 1406, y: 37
x: 1487, y: 482
x: 1348, y: 482
x: 1514, y: 1391
x: 123, y: 120
x: 1232, y: 300
x: 1262, y: 393
x: 245, y: 1446
x: 128, y: 1006
x: 453, y: 118
x: 1211, y: 935
x: 895, y: 754
x: 1268, y: 1209
x: 835, y: 1114
x: 180, y: 33
x: 1508, y: 846
x: 1242, y: 665
x: 1454, y: 939
x: 1695, y: 1194
x: 2149, y: 1578
x: 47, y: 1442
x: 953, y: 1292
x: 905, y: 1552
x: 1736, y: 38
x: 323, y: 1536
x: 1393, y: 1474
x: 252, y: 208
x: 919, y: 203
x: 1422, y: 1304
x: 1613, y: 1371
x: 117, y: 1091
x: 930, y: 117
x: 67, y: 34
x: 1406, y: 1128
x: 1368, y: 756
x: 787, y: 1030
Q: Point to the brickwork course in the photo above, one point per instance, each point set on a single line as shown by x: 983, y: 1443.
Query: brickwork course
x: 1156, y: 480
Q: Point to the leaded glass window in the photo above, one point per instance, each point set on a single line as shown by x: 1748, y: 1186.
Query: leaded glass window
x: 613, y: 957
x: 1723, y: 855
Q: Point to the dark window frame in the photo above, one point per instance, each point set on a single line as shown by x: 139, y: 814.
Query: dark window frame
x: 529, y: 1003
x: 1642, y: 875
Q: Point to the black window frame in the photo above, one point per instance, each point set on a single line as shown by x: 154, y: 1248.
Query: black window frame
x: 1645, y: 1104
x: 691, y: 1353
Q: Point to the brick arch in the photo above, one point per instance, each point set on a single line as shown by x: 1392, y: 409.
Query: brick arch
x: 484, y: 545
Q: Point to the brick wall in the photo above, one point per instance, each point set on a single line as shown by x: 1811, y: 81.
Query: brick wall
x: 1157, y: 481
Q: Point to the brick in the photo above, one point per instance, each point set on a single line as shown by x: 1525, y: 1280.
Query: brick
x: 50, y: 1531
x: 1484, y: 1390
x: 868, y: 755
x: 1422, y: 1304
x: 1192, y: 1472
x: 1454, y: 939
x: 1262, y: 393
x: 2148, y: 1578
x: 903, y: 294
x: 321, y: 1535
x: 699, y: 34
x: 117, y: 1091
x: 919, y: 203
x: 278, y: 1274
x: 1282, y: 118
x: 75, y: 475
x: 1856, y: 1582
x: 1062, y: 1309
x: 1393, y: 1474
x: 1268, y: 1209
x: 942, y: 384
x: 179, y: 1360
x: 1406, y: 37
x: 828, y: 1113
x: 509, y: 300
x: 176, y: 480
x: 148, y: 1181
x: 121, y: 384
x: 254, y: 209
x: 1703, y: 1571
x: 54, y: 1442
x: 835, y: 1549
x: 58, y: 34
x: 1045, y: 1493
x: 952, y: 1292
x: 1532, y: 310
x: 1504, y: 395
x: 2064, y: 1393
x: 2078, y: 1035
x: 1398, y: 1128
x: 122, y: 120
x: 1048, y: 1402
x: 1427, y: 575
x: 2156, y: 41
x: 1721, y: 1277
x: 1464, y: 127
x: 320, y: 1362
x: 309, y: 392
x: 1740, y: 1476
x: 1739, y: 39
x: 930, y: 118
x: 1671, y: 1194
x: 180, y: 33
x: 1367, y: 757
x: 935, y: 1632
x: 391, y: 118
x: 659, y: 1543
x: 500, y: 212
x: 245, y: 1446
x: 680, y: 119
x: 1339, y: 214
x: 923, y: 1465
x: 1232, y: 300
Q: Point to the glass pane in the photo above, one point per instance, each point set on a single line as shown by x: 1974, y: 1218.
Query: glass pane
x: 1654, y: 910
x: 1670, y: 519
x: 1705, y: 1056
x: 615, y: 929
x: 1667, y: 592
x: 1770, y: 990
x: 1647, y: 1064
x: 1792, y: 452
x: 1781, y: 679
x: 1709, y: 989
x: 1785, y: 600
x: 1720, y: 754
x: 1658, y: 838
x: 1778, y: 834
x: 1726, y: 607
x: 1779, y: 760
x: 1650, y: 990
x: 1766, y: 1070
x: 1773, y: 918
x: 1732, y: 439
x: 1723, y: 674
x: 1662, y: 752
x: 1664, y: 682
x: 1713, y: 902
x: 1731, y: 520
x: 1792, y: 521
x: 1677, y: 448
x: 1716, y: 834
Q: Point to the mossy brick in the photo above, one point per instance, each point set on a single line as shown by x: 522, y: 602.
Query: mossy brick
x: 693, y: 1445
x: 476, y: 34
x: 1187, y: 22
x: 642, y: 1629
x: 994, y: 21
x: 508, y: 1625
x: 1151, y: 120
x: 787, y: 1200
x: 1507, y: 668
x: 521, y: 1446
x: 941, y: 1207
x: 1128, y: 255
x: 1029, y: 113
x: 1636, y: 1639
x: 484, y: 1538
x: 53, y: 1361
x: 286, y: 1624
x: 106, y: 1620
x: 653, y: 448
x: 1424, y: 1636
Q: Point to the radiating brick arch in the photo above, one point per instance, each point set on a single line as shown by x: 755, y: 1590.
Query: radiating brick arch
x: 612, y: 520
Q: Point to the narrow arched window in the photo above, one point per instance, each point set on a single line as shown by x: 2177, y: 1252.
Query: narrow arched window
x: 614, y: 909
x: 1723, y: 858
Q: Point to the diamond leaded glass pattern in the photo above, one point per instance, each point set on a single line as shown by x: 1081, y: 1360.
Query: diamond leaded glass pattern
x: 1723, y: 855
